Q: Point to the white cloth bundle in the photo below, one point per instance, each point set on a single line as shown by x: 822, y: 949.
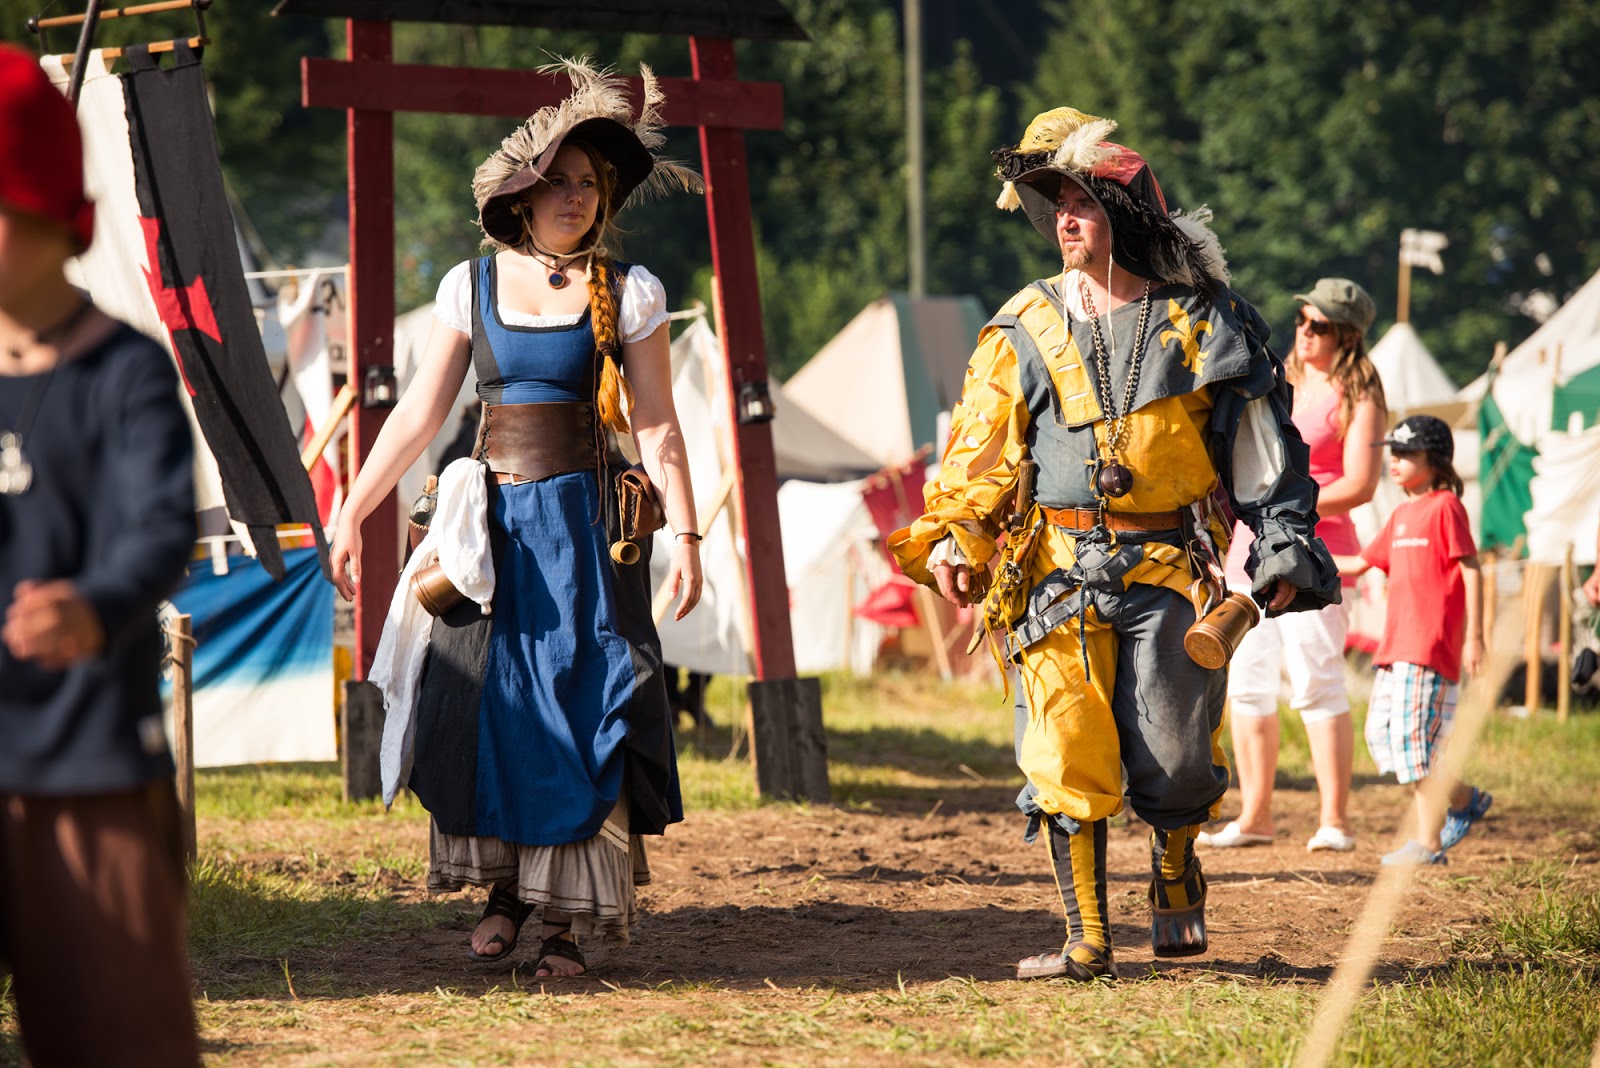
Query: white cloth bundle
x: 460, y: 533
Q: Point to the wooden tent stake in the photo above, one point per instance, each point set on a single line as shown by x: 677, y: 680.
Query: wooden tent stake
x: 336, y: 413
x: 928, y: 602
x: 181, y: 637
x: 1564, y: 632
x: 1491, y: 589
x: 1533, y: 586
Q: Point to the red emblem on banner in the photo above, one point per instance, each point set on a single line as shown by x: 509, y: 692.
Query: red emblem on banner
x: 179, y: 307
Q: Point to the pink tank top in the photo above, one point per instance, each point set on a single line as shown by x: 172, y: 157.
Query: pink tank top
x: 1319, y: 426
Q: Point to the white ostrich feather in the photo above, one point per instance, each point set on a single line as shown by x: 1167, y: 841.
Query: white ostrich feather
x: 1080, y: 151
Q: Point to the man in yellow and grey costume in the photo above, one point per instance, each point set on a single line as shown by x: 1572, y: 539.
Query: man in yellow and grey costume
x: 1136, y: 417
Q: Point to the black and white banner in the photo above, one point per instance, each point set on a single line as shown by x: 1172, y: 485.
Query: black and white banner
x: 165, y: 259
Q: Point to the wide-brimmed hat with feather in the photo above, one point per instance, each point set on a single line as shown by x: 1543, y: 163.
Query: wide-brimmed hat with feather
x: 1147, y: 239
x: 598, y: 112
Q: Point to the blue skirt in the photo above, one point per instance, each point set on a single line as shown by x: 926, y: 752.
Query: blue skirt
x: 529, y: 719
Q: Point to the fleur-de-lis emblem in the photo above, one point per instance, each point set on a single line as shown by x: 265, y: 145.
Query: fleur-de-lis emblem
x: 1188, y: 337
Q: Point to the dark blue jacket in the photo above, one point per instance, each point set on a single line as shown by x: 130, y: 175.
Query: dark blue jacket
x: 111, y: 509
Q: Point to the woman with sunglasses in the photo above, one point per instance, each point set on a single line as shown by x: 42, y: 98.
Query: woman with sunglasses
x: 1339, y: 410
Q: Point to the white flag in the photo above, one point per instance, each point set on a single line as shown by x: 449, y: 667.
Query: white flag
x: 1420, y: 248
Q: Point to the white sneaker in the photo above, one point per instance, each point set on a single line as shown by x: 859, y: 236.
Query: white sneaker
x: 1330, y: 838
x: 1231, y: 837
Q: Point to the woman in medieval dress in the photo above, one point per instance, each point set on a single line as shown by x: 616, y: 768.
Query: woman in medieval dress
x: 542, y: 744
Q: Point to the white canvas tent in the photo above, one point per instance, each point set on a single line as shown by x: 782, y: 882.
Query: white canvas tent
x: 1543, y: 401
x: 827, y: 534
x: 885, y: 379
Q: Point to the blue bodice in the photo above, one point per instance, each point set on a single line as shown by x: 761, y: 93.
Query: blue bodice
x: 527, y: 364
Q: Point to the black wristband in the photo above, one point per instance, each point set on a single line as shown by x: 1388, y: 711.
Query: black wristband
x: 689, y: 534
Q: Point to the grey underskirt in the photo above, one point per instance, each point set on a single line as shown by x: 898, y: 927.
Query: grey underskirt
x: 592, y: 881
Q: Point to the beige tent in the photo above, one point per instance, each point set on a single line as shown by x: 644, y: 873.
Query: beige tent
x: 883, y: 382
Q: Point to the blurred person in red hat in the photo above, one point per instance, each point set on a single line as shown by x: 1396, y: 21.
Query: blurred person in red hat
x: 96, y: 525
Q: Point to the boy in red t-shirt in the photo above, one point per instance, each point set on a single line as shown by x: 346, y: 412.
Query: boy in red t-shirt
x: 1433, y: 630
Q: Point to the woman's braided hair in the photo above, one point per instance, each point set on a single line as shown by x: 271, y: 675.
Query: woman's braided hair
x: 613, y: 394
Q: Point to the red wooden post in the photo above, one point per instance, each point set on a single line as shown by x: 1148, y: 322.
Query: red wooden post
x: 733, y: 262
x: 370, y: 136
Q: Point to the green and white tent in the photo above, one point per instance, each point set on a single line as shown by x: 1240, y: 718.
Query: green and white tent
x: 884, y: 381
x: 1539, y: 420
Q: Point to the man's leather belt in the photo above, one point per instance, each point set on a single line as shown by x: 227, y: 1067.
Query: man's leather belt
x: 536, y: 441
x: 1088, y: 518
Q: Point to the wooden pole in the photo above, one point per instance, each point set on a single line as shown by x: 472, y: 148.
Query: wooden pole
x: 928, y: 602
x: 849, y: 609
x: 1532, y: 623
x: 733, y: 260
x: 369, y: 137
x: 1402, y: 303
x: 916, y: 211
x: 786, y: 712
x: 182, y: 634
x: 341, y: 408
x: 1564, y: 632
x: 1491, y: 588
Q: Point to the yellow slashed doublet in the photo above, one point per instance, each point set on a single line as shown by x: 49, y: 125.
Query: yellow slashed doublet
x: 1109, y: 704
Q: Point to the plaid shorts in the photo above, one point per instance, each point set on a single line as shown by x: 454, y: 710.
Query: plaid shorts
x: 1408, y: 719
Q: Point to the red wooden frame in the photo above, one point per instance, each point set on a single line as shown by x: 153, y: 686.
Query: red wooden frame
x: 371, y: 89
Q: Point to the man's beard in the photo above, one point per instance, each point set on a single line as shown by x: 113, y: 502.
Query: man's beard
x: 1078, y: 257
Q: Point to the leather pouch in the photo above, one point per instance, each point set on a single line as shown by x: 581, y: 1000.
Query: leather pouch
x: 640, y: 512
x: 637, y: 503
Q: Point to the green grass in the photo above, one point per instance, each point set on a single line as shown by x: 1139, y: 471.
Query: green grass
x: 289, y: 871
x: 890, y: 737
x: 239, y: 912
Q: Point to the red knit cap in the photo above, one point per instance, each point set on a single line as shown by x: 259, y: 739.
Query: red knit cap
x: 41, y: 149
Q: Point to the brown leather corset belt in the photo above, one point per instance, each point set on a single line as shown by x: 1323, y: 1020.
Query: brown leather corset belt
x: 535, y: 441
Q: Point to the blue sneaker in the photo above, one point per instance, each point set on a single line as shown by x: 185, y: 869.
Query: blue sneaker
x: 1458, y: 821
x: 1414, y: 852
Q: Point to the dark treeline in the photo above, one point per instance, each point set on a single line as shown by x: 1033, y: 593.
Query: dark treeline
x: 1314, y: 133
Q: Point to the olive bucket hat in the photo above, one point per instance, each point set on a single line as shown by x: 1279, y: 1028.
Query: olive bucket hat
x: 1342, y: 301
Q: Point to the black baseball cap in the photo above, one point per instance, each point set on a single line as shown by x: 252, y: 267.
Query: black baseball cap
x: 1417, y: 433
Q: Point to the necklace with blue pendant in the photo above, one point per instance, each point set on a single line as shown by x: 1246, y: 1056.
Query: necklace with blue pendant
x: 558, y: 271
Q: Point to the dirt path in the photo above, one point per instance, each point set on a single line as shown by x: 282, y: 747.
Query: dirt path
x: 859, y: 900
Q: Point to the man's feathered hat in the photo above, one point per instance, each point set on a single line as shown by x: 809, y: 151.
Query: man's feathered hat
x: 598, y: 112
x: 1147, y: 239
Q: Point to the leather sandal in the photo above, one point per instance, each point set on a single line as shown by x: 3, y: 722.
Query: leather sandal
x: 559, y: 945
x: 503, y: 901
x: 1062, y: 964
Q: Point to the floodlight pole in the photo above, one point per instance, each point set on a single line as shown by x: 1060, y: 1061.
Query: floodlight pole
x: 916, y: 207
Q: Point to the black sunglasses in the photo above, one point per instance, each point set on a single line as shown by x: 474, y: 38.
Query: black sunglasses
x: 1318, y: 327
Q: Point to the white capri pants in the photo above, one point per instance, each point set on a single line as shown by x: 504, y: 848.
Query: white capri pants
x: 1306, y: 646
